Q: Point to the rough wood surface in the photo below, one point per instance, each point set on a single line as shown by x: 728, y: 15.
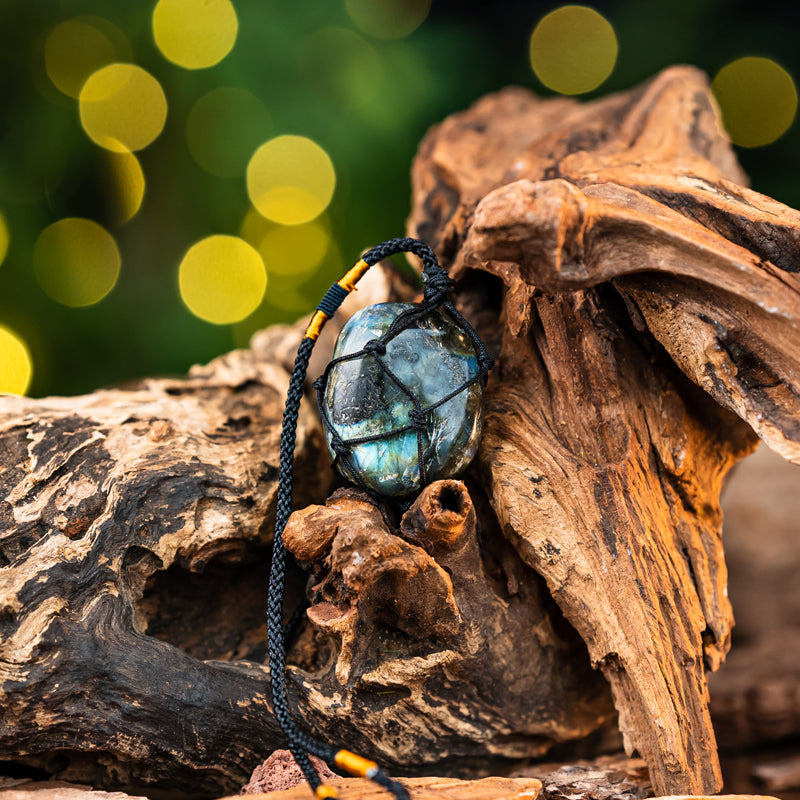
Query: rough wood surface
x: 422, y: 789
x: 134, y: 531
x: 610, y: 777
x: 464, y: 646
x: 634, y: 271
x: 644, y: 313
x: 11, y: 789
x: 450, y: 789
x: 114, y: 505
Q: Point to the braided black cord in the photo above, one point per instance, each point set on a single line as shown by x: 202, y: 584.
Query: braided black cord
x: 300, y: 744
x: 291, y: 627
x: 438, y: 286
x: 382, y: 779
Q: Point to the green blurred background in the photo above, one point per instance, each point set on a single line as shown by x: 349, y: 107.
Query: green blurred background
x: 363, y: 79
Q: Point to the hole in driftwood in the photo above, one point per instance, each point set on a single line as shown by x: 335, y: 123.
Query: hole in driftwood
x: 451, y: 499
x: 216, y: 613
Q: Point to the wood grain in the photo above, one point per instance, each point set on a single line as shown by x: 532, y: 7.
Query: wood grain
x: 422, y: 789
x: 634, y: 279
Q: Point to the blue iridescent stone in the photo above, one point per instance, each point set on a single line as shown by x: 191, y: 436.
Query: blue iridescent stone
x: 433, y: 357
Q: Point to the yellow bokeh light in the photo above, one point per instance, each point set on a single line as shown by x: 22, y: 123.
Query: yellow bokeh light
x: 222, y: 279
x: 223, y: 128
x: 290, y: 180
x: 76, y: 48
x: 294, y: 250
x: 291, y: 253
x: 388, y: 19
x: 16, y: 365
x: 76, y: 262
x: 573, y: 49
x: 122, y: 107
x: 128, y: 184
x: 757, y: 98
x: 195, y: 33
x: 5, y: 238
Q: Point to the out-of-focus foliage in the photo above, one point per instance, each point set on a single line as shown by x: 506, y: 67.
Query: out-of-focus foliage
x: 176, y: 174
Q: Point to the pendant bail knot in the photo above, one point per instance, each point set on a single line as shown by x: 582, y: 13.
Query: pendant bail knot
x: 437, y: 286
x: 485, y: 361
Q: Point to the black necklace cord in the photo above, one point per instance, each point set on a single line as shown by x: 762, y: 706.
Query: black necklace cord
x: 438, y: 286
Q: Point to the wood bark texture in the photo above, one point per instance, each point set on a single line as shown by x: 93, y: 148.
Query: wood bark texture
x: 609, y: 777
x: 643, y: 310
x: 632, y: 269
x: 422, y: 789
x: 420, y: 624
x: 112, y: 506
x: 55, y: 790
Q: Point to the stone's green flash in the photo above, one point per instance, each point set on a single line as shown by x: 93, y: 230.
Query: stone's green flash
x: 433, y: 357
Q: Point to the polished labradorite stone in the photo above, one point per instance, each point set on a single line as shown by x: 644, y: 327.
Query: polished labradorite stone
x: 432, y: 358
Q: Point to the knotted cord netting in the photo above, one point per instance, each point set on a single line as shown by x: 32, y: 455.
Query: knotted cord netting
x: 438, y: 286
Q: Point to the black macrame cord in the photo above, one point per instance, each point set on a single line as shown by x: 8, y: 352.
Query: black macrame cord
x: 438, y: 286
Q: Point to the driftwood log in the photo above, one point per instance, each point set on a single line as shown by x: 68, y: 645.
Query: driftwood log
x: 631, y: 258
x: 644, y: 312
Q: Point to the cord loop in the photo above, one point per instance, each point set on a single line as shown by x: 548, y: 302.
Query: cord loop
x: 438, y: 286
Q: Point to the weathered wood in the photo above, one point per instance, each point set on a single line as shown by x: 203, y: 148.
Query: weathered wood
x: 465, y: 647
x: 133, y: 588
x: 102, y: 498
x: 56, y: 790
x: 423, y: 789
x: 645, y: 318
x: 134, y: 532
x: 610, y: 777
x: 620, y: 236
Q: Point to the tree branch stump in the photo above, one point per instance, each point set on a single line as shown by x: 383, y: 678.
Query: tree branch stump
x: 643, y: 307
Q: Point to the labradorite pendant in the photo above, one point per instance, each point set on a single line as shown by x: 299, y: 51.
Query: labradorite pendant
x: 371, y: 396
